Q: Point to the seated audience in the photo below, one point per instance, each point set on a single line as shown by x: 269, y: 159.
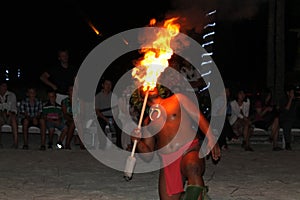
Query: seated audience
x: 222, y: 108
x: 266, y: 116
x: 31, y: 109
x: 53, y: 115
x: 8, y: 112
x: 239, y: 119
x: 66, y: 105
x: 106, y: 107
x: 128, y: 116
x: 288, y: 113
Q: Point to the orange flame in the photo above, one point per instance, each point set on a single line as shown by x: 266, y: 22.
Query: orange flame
x: 152, y: 22
x: 94, y: 28
x: 155, y: 59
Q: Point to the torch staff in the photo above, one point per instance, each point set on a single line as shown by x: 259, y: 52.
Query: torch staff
x: 130, y: 163
x: 140, y: 121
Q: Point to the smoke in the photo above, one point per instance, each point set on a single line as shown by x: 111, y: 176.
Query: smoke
x: 233, y: 10
x: 193, y: 13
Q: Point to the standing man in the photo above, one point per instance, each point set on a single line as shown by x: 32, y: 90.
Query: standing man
x: 8, y: 111
x: 61, y: 76
x: 169, y: 131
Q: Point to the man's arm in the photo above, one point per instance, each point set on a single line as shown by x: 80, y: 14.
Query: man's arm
x: 289, y: 102
x: 45, y: 79
x: 13, y: 100
x: 67, y: 116
x: 101, y: 116
x: 203, y: 124
x: 145, y: 143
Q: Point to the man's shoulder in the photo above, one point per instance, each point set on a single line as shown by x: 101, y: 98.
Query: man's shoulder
x: 24, y: 100
x: 38, y: 100
x: 233, y: 102
x: 59, y: 68
x: 113, y: 95
x: 10, y: 93
x: 65, y: 100
x: 52, y: 68
x: 46, y: 104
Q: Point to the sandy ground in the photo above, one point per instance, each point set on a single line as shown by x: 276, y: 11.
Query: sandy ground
x: 76, y: 174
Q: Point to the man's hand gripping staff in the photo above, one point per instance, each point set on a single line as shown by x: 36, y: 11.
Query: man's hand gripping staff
x: 131, y: 160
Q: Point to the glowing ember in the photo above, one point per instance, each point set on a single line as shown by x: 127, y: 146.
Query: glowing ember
x: 155, y: 59
x: 125, y: 41
x: 94, y: 28
x: 152, y: 22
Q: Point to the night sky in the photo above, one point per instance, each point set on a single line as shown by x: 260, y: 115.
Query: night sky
x: 31, y: 32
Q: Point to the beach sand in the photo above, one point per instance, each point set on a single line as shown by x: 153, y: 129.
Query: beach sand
x: 76, y: 175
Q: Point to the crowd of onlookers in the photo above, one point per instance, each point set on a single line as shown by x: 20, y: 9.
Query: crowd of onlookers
x: 242, y: 112
x: 49, y: 116
x: 246, y: 112
x: 54, y: 113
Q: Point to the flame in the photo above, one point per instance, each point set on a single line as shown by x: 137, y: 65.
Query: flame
x: 94, y: 28
x: 152, y: 22
x: 155, y: 59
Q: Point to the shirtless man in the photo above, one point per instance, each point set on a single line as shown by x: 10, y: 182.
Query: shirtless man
x: 169, y: 130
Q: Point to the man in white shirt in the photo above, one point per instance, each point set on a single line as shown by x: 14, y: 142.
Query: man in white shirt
x: 8, y: 111
x: 239, y: 118
x: 106, y: 106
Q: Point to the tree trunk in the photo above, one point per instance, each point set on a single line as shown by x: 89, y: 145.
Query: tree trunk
x: 276, y: 48
x: 271, y: 46
x: 280, y: 49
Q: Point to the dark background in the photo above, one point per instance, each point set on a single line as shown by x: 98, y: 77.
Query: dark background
x: 32, y: 31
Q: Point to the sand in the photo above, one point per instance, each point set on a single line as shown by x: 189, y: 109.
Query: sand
x: 76, y: 174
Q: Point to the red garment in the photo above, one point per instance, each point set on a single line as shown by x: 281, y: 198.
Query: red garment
x: 172, y: 171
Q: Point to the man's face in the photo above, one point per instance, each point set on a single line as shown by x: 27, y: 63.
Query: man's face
x: 63, y: 56
x: 107, y: 85
x: 241, y: 95
x: 31, y: 93
x: 70, y: 91
x: 52, y: 97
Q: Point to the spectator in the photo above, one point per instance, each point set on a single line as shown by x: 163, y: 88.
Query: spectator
x: 68, y: 117
x: 266, y: 116
x: 31, y: 108
x: 287, y: 117
x: 61, y: 76
x: 8, y: 112
x: 53, y: 115
x: 239, y: 119
x: 128, y: 116
x: 106, y: 106
x: 222, y: 108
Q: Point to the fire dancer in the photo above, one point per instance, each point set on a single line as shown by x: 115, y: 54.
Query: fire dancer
x: 177, y: 145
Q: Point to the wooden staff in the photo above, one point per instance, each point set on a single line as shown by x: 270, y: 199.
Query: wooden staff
x: 131, y: 160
